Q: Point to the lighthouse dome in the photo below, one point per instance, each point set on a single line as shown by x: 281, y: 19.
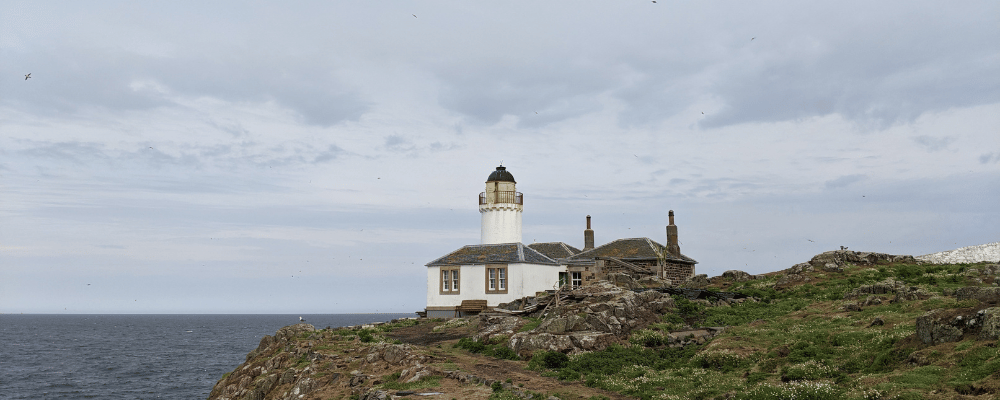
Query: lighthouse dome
x: 501, y: 175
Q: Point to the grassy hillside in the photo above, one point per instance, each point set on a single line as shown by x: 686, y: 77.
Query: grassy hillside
x: 801, y: 342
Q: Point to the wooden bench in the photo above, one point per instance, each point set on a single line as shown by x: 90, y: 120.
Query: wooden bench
x: 472, y: 306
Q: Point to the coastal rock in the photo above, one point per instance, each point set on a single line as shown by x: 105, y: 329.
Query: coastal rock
x: 393, y: 354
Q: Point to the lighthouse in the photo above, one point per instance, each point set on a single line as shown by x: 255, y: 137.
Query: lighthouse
x: 500, y: 207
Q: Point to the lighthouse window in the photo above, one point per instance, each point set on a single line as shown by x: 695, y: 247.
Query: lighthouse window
x: 449, y: 280
x: 496, y: 279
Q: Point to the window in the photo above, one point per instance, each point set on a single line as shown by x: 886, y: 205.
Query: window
x: 496, y: 279
x: 449, y: 280
x: 577, y: 279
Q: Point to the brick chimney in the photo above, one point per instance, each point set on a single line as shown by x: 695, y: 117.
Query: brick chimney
x: 588, y: 236
x: 672, y: 247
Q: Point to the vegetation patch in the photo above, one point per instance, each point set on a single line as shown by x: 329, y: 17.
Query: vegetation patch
x: 494, y: 349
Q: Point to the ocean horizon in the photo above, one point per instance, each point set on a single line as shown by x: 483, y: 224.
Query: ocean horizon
x: 137, y: 356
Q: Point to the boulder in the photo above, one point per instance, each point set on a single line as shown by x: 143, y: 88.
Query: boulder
x: 623, y: 281
x: 525, y: 344
x: 293, y: 331
x: 939, y: 326
x: 393, y: 354
x: 376, y: 395
x: 801, y: 268
x: 737, y: 276
x: 493, y: 325
x: 789, y: 279
x: 653, y: 281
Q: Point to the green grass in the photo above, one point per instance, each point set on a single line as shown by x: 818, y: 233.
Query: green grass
x: 796, y: 343
x: 531, y: 325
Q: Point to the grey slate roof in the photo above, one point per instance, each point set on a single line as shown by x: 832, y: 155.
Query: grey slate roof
x: 630, y: 249
x: 503, y: 253
x: 555, y: 249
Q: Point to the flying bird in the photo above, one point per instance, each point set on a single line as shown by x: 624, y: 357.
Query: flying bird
x: 751, y: 39
x: 702, y: 113
x: 810, y: 240
x: 414, y: 15
x: 27, y: 76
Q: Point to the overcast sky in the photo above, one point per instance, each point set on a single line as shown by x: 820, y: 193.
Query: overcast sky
x: 311, y: 157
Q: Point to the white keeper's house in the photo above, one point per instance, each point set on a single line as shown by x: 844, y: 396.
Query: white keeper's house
x: 501, y: 269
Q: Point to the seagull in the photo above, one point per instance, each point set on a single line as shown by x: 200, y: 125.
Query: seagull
x: 810, y: 240
x: 302, y: 319
x: 751, y: 39
x: 654, y: 1
x: 414, y: 15
x: 702, y: 113
x: 27, y: 76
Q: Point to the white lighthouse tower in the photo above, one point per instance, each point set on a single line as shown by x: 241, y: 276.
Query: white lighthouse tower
x: 500, y: 206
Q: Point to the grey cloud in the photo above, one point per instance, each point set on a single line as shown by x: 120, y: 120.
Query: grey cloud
x: 845, y: 181
x: 75, y: 80
x: 555, y: 89
x: 989, y: 157
x: 331, y: 153
x: 933, y: 143
x: 398, y: 143
x: 79, y: 153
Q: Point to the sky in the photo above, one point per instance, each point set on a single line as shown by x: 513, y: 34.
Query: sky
x: 311, y: 157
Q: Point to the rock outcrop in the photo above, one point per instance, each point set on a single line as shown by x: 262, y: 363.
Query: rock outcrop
x: 899, y: 289
x: 942, y: 326
x: 590, y: 318
x: 834, y: 262
x: 288, y: 366
x: 839, y: 258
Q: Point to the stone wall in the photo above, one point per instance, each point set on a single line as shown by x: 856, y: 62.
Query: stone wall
x: 678, y: 272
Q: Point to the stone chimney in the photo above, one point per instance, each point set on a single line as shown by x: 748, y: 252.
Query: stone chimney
x: 672, y: 247
x: 588, y: 236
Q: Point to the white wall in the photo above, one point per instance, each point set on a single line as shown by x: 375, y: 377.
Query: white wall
x: 522, y: 280
x: 501, y: 223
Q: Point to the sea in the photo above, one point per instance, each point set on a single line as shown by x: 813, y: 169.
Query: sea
x: 135, y: 356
